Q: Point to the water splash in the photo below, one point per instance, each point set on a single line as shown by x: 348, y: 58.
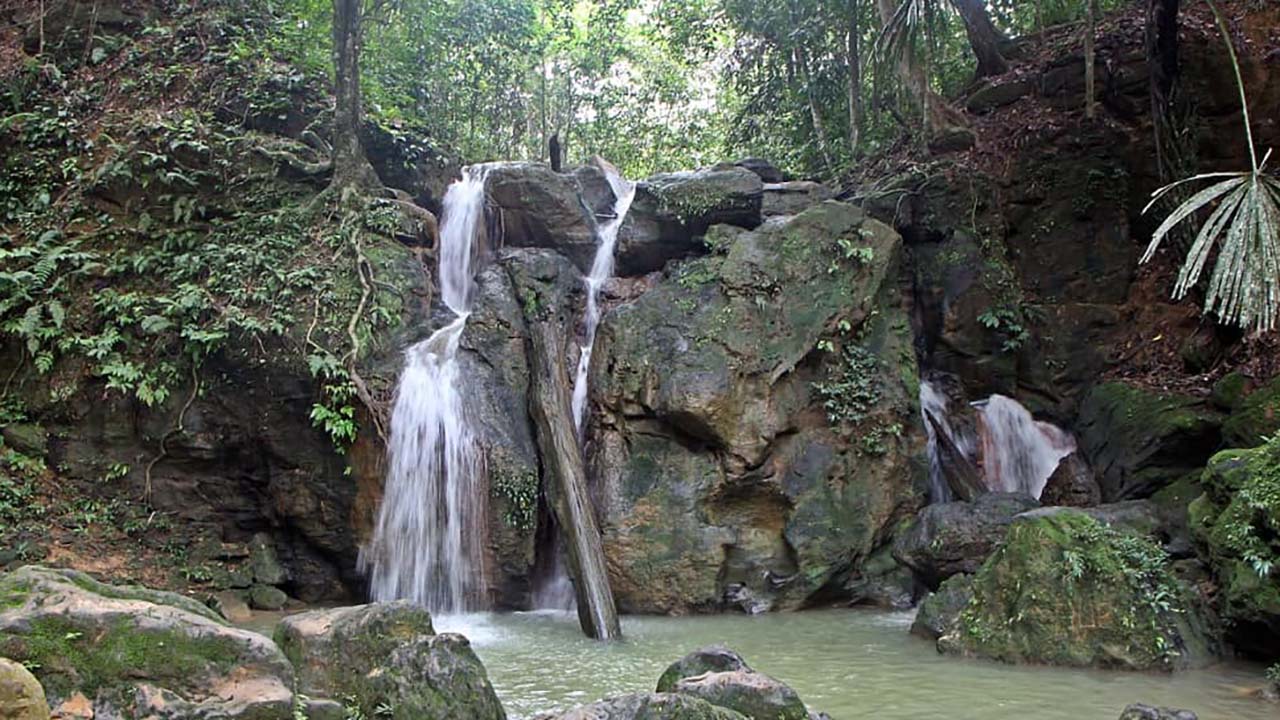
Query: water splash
x: 933, y: 408
x: 1019, y: 453
x: 428, y: 544
x: 624, y: 192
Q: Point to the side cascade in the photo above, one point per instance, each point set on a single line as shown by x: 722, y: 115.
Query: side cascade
x: 428, y: 543
x: 555, y: 590
x: 1012, y: 450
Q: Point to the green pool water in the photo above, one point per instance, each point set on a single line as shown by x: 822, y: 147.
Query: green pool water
x: 850, y: 663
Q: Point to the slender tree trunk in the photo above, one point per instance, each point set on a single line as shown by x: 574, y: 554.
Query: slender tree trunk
x: 938, y: 116
x: 1090, y: 100
x: 351, y: 168
x: 1040, y: 16
x: 853, y: 59
x: 1162, y: 62
x: 568, y: 493
x: 984, y: 38
x: 815, y: 112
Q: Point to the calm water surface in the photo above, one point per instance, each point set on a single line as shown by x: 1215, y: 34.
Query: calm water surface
x: 851, y: 664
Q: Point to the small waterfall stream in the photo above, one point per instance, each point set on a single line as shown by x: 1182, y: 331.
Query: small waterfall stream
x: 427, y: 545
x: 1012, y: 450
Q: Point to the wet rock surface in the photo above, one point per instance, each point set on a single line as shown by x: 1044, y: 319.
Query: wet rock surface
x: 947, y: 539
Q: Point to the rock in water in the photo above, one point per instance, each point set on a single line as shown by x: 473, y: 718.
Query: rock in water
x: 715, y: 658
x: 1138, y: 711
x: 1065, y: 589
x: 753, y: 694
x: 650, y: 706
x: 21, y: 697
x: 940, y: 610
x: 136, y: 650
x: 387, y: 654
x: 956, y: 537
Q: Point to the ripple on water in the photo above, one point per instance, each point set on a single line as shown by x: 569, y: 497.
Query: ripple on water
x: 851, y: 664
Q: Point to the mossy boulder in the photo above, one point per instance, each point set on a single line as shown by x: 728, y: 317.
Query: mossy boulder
x: 123, y: 647
x: 940, y: 610
x: 21, y: 697
x: 1065, y: 589
x: 650, y: 706
x: 753, y: 694
x: 754, y: 433
x: 1138, y: 441
x: 388, y: 655
x: 957, y: 537
x: 1236, y: 524
x: 1253, y: 418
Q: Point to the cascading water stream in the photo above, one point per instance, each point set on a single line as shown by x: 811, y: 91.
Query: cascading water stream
x: 427, y: 545
x: 624, y: 192
x: 555, y: 591
x: 1014, y: 451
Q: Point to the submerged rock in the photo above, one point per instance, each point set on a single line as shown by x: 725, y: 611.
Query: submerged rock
x: 1138, y: 711
x: 387, y: 654
x: 951, y: 538
x: 1235, y: 525
x: 21, y: 697
x: 650, y: 706
x: 134, y: 650
x: 1065, y: 589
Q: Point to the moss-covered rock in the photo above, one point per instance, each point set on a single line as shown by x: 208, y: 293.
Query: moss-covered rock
x: 940, y: 610
x: 957, y: 537
x: 1139, y: 441
x: 1236, y: 523
x: 1066, y: 590
x: 388, y: 655
x: 21, y: 697
x: 1254, y: 417
x: 120, y: 646
x: 753, y: 694
x: 716, y: 658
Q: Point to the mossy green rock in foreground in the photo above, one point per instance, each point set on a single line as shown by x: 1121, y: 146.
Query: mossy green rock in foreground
x: 387, y: 655
x: 137, y: 650
x: 1066, y: 590
x: 21, y: 697
x: 1236, y: 522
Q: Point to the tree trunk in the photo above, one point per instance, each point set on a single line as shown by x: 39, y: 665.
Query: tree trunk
x: 1090, y: 26
x: 984, y: 38
x: 567, y: 491
x: 351, y: 168
x: 815, y: 112
x: 1162, y: 62
x: 853, y: 60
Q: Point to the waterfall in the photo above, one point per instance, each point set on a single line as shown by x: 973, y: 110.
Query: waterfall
x: 624, y: 192
x: 1019, y: 453
x: 427, y: 545
x: 1013, y: 452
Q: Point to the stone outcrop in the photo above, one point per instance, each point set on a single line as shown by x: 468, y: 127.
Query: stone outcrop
x: 957, y: 537
x: 1234, y: 524
x: 735, y: 458
x: 388, y: 655
x: 1064, y: 589
x: 940, y: 610
x: 712, y: 659
x: 138, y: 651
x: 21, y: 696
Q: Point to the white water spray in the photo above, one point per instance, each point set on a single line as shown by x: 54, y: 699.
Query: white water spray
x: 624, y: 192
x: 427, y: 545
x: 933, y: 406
x: 1019, y: 453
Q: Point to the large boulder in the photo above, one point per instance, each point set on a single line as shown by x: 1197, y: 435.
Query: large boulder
x: 714, y: 658
x: 756, y: 434
x: 1072, y: 484
x: 753, y: 694
x: 1235, y: 524
x: 134, y: 650
x: 21, y: 697
x: 650, y: 706
x: 1065, y: 589
x: 538, y: 207
x: 789, y: 198
x: 388, y: 654
x: 1139, y: 441
x: 672, y: 210
x: 957, y: 537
